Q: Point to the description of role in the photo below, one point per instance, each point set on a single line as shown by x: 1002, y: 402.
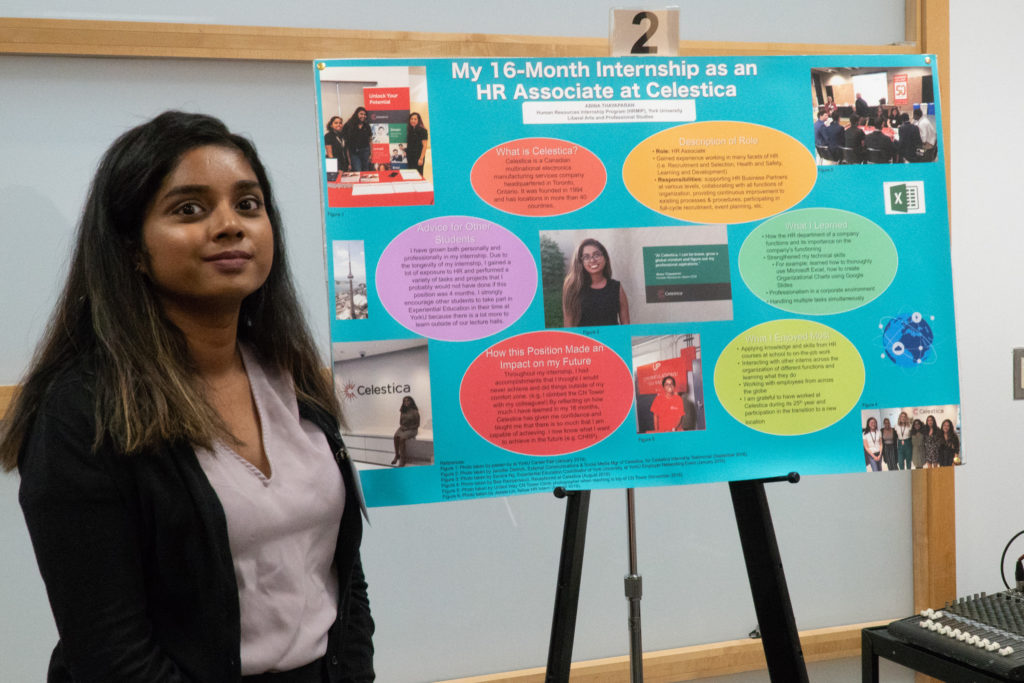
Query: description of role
x: 697, y: 178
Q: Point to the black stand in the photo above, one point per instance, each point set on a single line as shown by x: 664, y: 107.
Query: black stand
x: 767, y: 580
x: 634, y: 591
x: 567, y: 595
x: 764, y: 570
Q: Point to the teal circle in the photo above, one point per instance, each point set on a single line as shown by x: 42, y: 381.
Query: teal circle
x: 818, y: 261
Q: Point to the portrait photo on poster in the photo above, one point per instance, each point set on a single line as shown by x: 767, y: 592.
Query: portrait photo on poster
x: 669, y: 383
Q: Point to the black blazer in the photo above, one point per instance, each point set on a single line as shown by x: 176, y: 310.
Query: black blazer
x: 134, y: 554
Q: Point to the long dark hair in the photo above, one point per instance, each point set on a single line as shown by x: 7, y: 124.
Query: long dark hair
x: 411, y: 406
x: 578, y: 279
x: 867, y: 425
x: 353, y: 121
x: 951, y: 434
x: 419, y: 121
x: 108, y: 315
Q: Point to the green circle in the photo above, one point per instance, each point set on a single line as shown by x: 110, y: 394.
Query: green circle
x: 789, y: 377
x: 818, y: 261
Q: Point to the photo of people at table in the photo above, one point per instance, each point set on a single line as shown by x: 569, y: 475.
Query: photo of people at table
x: 376, y: 148
x: 873, y: 115
x: 916, y: 437
x: 669, y: 383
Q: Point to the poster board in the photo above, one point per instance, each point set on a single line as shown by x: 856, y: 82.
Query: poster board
x: 811, y: 299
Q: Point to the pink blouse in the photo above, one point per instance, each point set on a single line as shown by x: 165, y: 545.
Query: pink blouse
x: 282, y: 529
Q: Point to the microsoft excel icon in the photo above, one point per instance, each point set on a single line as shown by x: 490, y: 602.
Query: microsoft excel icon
x: 905, y: 197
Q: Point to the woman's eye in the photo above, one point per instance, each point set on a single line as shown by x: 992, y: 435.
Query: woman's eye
x: 250, y: 204
x: 188, y: 209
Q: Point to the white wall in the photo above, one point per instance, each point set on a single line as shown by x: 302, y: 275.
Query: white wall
x: 988, y: 247
x: 875, y: 22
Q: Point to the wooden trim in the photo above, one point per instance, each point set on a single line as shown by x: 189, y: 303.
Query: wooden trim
x: 935, y: 40
x: 6, y: 396
x: 934, y: 495
x: 934, y: 537
x: 912, y: 21
x: 698, y: 661
x: 68, y: 37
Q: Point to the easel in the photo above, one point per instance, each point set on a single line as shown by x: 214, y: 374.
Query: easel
x: 764, y: 570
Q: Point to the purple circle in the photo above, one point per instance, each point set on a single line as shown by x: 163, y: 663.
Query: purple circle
x: 456, y: 278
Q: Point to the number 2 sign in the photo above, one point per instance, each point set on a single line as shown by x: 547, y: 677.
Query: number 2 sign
x: 645, y: 32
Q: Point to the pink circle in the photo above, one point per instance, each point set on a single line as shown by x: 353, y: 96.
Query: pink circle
x: 456, y: 278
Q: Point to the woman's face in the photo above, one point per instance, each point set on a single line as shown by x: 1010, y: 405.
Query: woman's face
x: 872, y: 424
x: 406, y: 402
x: 207, y: 241
x: 930, y: 421
x: 361, y: 115
x: 886, y: 423
x: 669, y: 386
x: 904, y: 419
x: 336, y: 124
x: 918, y: 425
x: 414, y: 120
x: 947, y: 426
x: 593, y: 259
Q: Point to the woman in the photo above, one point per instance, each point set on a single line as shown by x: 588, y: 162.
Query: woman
x: 334, y: 143
x: 904, y: 446
x: 417, y: 138
x: 668, y: 408
x: 917, y: 457
x: 408, y: 427
x: 888, y: 445
x: 356, y: 133
x: 932, y: 442
x: 830, y: 105
x: 176, y: 436
x: 589, y: 294
x: 872, y: 445
x: 950, y: 447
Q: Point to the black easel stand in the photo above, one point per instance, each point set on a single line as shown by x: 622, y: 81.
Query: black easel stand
x: 774, y: 610
x: 567, y: 595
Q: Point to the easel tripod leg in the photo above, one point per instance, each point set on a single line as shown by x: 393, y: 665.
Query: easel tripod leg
x: 774, y: 610
x: 567, y: 594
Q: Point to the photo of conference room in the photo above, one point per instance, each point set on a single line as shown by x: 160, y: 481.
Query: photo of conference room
x: 873, y: 115
x: 376, y: 136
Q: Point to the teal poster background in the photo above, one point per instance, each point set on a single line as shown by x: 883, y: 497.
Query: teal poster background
x: 447, y: 285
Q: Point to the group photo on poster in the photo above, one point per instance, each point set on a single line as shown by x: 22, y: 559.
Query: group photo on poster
x: 874, y: 116
x: 611, y: 272
x: 376, y: 136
